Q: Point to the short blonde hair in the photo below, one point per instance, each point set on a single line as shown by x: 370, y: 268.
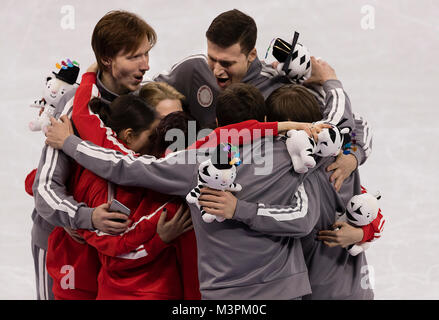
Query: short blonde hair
x: 154, y: 92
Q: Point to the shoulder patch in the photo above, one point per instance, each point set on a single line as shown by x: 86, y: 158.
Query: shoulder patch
x: 205, y: 96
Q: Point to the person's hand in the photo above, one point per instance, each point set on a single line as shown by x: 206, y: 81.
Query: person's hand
x: 179, y: 224
x: 75, y: 235
x: 58, y: 132
x: 321, y: 71
x: 104, y: 220
x: 344, y: 235
x: 93, y: 68
x: 274, y: 64
x: 343, y: 166
x: 219, y: 203
x: 312, y: 129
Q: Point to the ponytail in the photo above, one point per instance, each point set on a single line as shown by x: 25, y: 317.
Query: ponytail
x: 100, y: 108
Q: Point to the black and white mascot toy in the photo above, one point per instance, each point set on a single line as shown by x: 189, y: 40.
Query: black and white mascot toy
x: 361, y: 210
x: 294, y: 59
x: 219, y: 173
x: 302, y: 148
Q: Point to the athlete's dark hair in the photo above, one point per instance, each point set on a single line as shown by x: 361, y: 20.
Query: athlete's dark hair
x: 292, y: 102
x: 240, y: 102
x: 175, y: 120
x: 126, y: 111
x: 232, y: 27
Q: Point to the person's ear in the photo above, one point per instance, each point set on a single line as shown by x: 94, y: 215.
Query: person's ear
x: 106, y: 62
x: 265, y: 118
x: 216, y: 120
x: 126, y: 135
x: 252, y: 55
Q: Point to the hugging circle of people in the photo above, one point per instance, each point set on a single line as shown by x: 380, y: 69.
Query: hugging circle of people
x: 115, y: 137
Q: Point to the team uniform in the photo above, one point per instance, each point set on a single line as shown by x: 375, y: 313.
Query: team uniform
x: 257, y: 254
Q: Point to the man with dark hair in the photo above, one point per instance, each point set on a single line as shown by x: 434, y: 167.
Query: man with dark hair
x: 240, y: 102
x: 232, y: 58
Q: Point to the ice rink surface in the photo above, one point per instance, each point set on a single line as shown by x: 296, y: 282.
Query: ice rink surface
x: 390, y: 73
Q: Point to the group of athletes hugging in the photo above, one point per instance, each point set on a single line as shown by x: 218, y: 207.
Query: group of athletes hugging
x: 109, y: 139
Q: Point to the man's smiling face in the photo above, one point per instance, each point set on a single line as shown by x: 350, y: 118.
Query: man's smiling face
x: 229, y: 65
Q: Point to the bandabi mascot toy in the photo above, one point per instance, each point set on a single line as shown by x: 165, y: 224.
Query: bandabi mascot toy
x: 219, y: 173
x: 56, y: 86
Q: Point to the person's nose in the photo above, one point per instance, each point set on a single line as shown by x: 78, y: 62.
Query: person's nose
x: 218, y: 70
x: 144, y: 64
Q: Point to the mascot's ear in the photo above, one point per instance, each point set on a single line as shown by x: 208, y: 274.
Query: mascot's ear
x: 289, y: 133
x: 48, y: 78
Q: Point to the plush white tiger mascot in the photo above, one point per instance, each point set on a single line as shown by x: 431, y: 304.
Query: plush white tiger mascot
x: 302, y: 148
x: 361, y: 210
x: 218, y: 175
x: 330, y: 141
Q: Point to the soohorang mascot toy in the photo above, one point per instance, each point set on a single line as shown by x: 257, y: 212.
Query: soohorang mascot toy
x: 361, y: 210
x: 219, y: 173
x: 56, y: 86
x: 294, y: 59
x: 301, y: 147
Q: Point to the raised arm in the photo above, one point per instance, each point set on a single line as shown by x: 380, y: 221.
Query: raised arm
x: 88, y: 124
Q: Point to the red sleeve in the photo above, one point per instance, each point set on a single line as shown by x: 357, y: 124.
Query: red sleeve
x: 29, y: 181
x: 237, y: 134
x: 186, y: 249
x: 140, y: 233
x: 373, y: 230
x: 90, y: 127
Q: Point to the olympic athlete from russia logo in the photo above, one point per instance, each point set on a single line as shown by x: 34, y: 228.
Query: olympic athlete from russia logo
x: 205, y: 96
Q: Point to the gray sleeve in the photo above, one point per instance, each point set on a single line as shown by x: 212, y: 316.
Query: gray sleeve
x: 362, y: 139
x: 174, y: 175
x: 336, y: 107
x: 296, y: 220
x: 52, y: 200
